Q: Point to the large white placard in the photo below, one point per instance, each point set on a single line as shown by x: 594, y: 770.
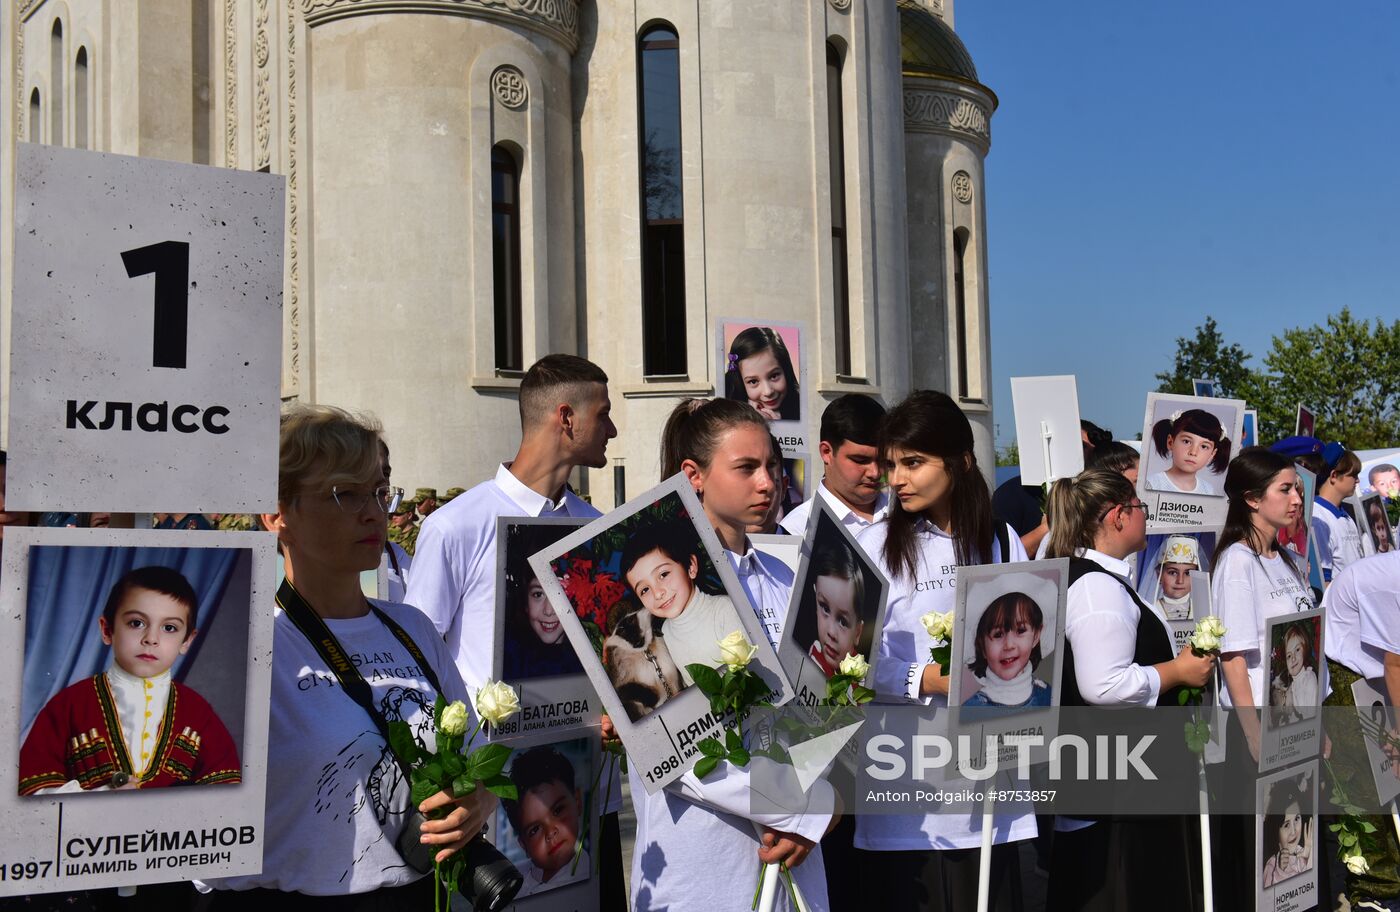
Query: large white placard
x: 146, y: 335
x: 90, y: 797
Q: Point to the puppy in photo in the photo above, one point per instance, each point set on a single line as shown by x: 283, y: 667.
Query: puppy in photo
x: 640, y: 665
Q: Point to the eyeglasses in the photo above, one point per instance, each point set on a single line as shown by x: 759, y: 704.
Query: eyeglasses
x: 1126, y: 508
x: 387, y: 497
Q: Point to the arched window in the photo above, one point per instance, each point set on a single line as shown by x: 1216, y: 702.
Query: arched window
x: 57, y: 62
x: 36, y: 122
x: 80, y: 100
x: 960, y: 239
x: 663, y: 211
x: 505, y: 258
x: 836, y: 156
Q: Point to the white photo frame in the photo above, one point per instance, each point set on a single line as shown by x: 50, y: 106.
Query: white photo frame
x: 554, y: 692
x: 1375, y: 525
x: 135, y: 829
x: 1376, y: 714
x: 791, y: 414
x: 978, y: 710
x: 659, y: 722
x: 1047, y: 428
x: 1286, y: 880
x: 1204, y: 388
x: 1170, y: 508
x: 1295, y: 669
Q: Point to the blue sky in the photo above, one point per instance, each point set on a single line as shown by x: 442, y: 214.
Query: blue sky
x: 1156, y: 163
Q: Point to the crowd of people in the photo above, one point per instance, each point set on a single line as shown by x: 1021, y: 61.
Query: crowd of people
x: 907, y: 484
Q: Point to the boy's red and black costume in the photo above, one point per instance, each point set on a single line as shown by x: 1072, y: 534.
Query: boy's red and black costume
x: 78, y: 736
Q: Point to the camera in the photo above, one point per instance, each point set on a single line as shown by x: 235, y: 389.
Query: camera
x: 489, y: 879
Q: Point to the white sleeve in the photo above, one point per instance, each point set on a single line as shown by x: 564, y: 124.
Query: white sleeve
x: 1380, y: 622
x: 435, y: 586
x: 1104, y: 638
x: 896, y: 678
x: 1232, y: 596
x: 728, y: 789
x: 1016, y: 547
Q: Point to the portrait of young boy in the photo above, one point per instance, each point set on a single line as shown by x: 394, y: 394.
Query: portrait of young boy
x: 132, y: 726
x: 548, y: 818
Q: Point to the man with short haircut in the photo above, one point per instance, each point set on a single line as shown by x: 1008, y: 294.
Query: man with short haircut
x: 851, y: 466
x: 1336, y: 534
x: 564, y: 423
x: 427, y: 500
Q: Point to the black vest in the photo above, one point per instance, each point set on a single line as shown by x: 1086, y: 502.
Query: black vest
x: 1153, y: 639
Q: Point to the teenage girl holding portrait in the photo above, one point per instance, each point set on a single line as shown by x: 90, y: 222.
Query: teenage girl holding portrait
x: 699, y: 844
x: 940, y: 518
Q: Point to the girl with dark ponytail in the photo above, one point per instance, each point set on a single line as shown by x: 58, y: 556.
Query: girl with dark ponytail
x: 940, y: 518
x: 704, y: 826
x: 1118, y: 652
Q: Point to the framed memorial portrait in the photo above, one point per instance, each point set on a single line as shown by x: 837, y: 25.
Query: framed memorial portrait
x: 1249, y: 436
x: 1381, y: 475
x: 1287, y: 845
x: 1204, y: 388
x: 1305, y: 423
x: 643, y: 592
x: 1297, y: 536
x: 1047, y: 428
x: 1008, y: 652
x: 837, y: 608
x: 137, y: 677
x: 1167, y: 578
x: 1186, y: 444
x: 550, y: 830
x: 1376, y: 717
x: 1375, y: 524
x: 1294, y: 673
x: 529, y: 650
x: 763, y: 364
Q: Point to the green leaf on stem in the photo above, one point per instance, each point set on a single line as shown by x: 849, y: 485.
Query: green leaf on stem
x: 717, y: 706
x: 438, y: 706
x: 706, y: 678
x: 705, y: 767
x: 402, y: 743
x: 422, y: 790
x: 739, y: 757
x: 711, y: 747
x: 732, y: 740
x: 502, y: 787
x: 463, y: 785
x: 487, y: 761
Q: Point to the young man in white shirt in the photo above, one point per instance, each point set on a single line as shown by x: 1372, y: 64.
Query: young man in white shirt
x: 564, y: 423
x: 851, y: 479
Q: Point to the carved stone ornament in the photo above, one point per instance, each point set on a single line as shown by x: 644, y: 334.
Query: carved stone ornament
x: 930, y: 111
x: 508, y: 85
x: 556, y: 18
x: 841, y: 5
x: 962, y: 187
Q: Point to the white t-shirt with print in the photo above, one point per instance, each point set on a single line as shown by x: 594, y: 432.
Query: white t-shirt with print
x: 1247, y: 591
x: 336, y: 799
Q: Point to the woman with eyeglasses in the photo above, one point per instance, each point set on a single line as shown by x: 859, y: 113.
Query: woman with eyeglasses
x: 338, y: 808
x: 1118, y: 652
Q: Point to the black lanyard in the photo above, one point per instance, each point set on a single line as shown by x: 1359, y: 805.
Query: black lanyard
x: 329, y: 648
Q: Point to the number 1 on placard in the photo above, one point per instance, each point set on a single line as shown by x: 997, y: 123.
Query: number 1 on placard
x: 170, y: 261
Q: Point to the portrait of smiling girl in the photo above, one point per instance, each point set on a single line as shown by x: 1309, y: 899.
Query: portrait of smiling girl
x: 758, y: 370
x: 1190, y: 440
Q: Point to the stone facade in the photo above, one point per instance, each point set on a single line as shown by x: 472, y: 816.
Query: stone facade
x: 383, y: 115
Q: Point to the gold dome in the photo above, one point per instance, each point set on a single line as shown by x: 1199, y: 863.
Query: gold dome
x: 929, y: 47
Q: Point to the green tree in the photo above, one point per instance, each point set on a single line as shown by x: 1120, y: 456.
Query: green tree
x: 1010, y: 455
x: 1347, y: 371
x: 1206, y: 355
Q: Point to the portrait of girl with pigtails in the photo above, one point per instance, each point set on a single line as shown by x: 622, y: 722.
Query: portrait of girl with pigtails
x: 1190, y: 449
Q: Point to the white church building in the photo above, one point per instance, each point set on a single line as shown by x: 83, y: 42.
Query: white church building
x: 472, y: 184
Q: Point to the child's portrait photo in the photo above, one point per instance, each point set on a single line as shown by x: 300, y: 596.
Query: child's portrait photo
x: 1305, y: 423
x: 651, y: 601
x: 533, y: 640
x: 1293, y: 671
x: 836, y: 605
x: 545, y: 829
x: 1006, y: 637
x: 1288, y: 829
x: 134, y: 668
x: 1377, y: 524
x: 760, y: 368
x: 1294, y: 537
x: 1169, y: 560
x: 1186, y: 446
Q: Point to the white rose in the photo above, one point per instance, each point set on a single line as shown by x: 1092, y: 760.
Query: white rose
x: 939, y: 626
x: 1356, y: 864
x: 496, y: 702
x: 454, y: 719
x: 1212, y: 626
x: 735, y: 651
x: 1205, y: 642
x: 854, y: 666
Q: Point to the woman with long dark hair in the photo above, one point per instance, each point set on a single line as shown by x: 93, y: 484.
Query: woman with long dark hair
x: 1118, y: 652
x: 940, y: 519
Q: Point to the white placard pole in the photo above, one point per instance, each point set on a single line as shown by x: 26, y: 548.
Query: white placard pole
x: 1207, y: 876
x: 1045, y: 436
x: 984, y: 862
x: 1395, y: 819
x: 770, y: 888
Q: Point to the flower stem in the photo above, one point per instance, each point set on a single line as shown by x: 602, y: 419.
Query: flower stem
x: 758, y: 890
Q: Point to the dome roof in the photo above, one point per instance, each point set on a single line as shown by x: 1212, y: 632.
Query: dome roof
x: 929, y: 47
